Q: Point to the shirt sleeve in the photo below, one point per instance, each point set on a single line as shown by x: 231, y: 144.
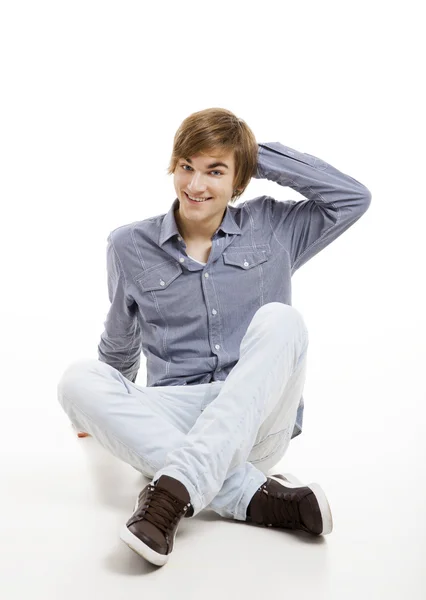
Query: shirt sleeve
x: 334, y: 201
x: 120, y: 344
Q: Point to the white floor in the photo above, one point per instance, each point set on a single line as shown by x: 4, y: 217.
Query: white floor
x: 64, y: 500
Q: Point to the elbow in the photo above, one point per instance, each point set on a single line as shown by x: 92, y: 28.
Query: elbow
x: 366, y: 199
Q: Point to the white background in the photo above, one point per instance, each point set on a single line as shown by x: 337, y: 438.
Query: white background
x: 91, y: 96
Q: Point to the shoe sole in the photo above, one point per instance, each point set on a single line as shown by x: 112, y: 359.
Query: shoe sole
x: 327, y: 519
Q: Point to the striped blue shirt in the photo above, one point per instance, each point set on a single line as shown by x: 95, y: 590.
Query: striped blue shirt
x: 188, y: 318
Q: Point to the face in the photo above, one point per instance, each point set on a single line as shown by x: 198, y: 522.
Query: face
x: 205, y: 177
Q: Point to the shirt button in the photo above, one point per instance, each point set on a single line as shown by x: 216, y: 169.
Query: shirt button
x: 217, y: 347
x: 162, y: 282
x: 214, y: 311
x: 181, y: 259
x: 246, y: 264
x: 179, y: 238
x: 206, y: 274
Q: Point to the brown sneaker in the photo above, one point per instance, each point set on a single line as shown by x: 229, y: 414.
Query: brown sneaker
x: 284, y: 501
x: 151, y: 529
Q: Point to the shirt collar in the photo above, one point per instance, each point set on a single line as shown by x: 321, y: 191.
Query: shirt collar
x: 169, y: 227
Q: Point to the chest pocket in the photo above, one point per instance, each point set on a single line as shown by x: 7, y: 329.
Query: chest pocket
x: 160, y: 277
x: 246, y: 258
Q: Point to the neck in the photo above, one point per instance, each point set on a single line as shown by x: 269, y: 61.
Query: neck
x: 195, y: 235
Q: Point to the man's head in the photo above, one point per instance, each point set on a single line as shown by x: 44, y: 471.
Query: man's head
x: 204, y: 138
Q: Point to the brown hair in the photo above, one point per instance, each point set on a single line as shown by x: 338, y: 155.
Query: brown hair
x: 218, y: 130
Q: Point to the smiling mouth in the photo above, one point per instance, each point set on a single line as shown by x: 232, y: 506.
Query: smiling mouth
x: 194, y: 201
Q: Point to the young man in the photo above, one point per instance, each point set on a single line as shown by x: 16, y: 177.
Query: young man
x: 205, y: 292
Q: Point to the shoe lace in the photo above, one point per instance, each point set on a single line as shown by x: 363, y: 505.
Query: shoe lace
x: 162, y: 509
x: 278, y: 513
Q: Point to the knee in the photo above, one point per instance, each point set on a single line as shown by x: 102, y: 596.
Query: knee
x: 75, y: 377
x: 280, y: 313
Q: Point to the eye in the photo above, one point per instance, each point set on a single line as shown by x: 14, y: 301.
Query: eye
x: 183, y: 167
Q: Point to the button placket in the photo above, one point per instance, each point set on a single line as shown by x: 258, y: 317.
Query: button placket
x: 214, y: 311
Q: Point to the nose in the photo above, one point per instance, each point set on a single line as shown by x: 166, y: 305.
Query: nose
x: 196, y: 185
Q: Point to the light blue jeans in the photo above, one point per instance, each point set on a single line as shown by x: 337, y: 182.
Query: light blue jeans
x: 219, y: 439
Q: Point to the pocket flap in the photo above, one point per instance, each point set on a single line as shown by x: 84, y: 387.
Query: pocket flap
x: 246, y: 259
x: 159, y: 277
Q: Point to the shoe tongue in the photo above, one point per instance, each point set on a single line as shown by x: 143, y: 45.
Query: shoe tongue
x: 175, y: 487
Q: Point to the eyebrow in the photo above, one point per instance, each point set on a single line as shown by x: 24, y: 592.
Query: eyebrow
x: 212, y: 166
